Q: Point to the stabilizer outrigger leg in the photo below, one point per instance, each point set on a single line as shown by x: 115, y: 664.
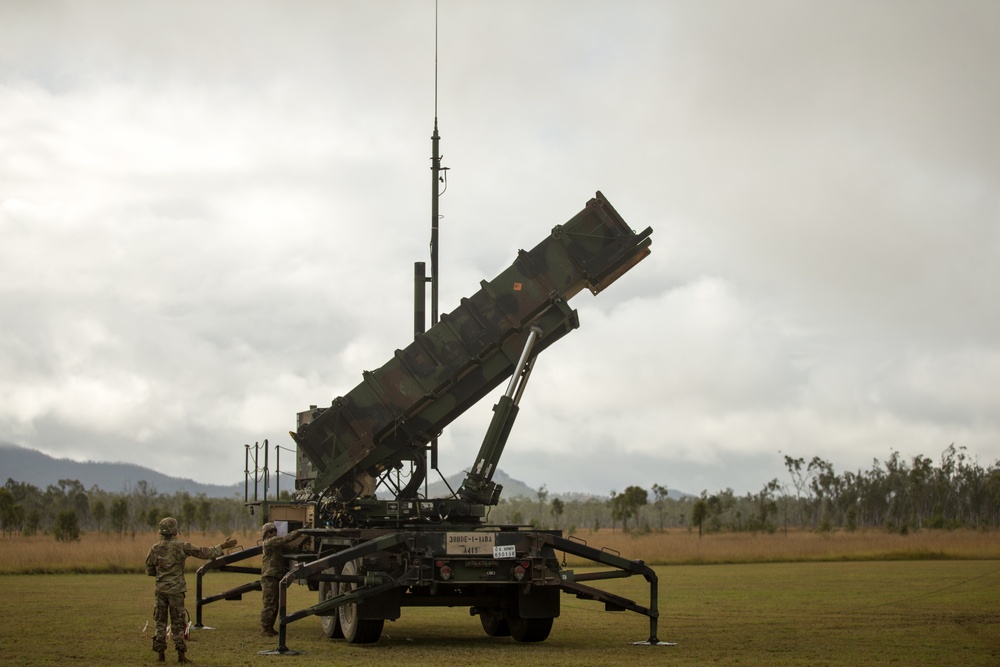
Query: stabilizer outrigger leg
x: 282, y: 648
x: 572, y: 582
x: 653, y: 640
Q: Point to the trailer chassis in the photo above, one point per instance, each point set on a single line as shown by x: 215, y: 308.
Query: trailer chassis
x: 418, y: 579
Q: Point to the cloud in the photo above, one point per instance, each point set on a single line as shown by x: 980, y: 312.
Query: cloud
x: 210, y: 214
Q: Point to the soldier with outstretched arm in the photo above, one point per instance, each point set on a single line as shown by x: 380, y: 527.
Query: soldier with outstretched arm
x: 272, y: 569
x: 165, y: 561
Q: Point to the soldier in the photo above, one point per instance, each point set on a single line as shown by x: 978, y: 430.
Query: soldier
x: 165, y: 561
x: 272, y: 569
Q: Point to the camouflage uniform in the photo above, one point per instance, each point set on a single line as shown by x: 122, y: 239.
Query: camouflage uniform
x: 272, y: 569
x: 165, y: 561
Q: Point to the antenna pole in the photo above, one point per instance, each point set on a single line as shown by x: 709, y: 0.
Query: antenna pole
x: 435, y: 216
x: 435, y: 180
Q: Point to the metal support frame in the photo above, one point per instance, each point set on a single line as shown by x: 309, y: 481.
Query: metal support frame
x: 626, y: 568
x: 222, y: 564
x: 316, y: 567
x: 377, y: 583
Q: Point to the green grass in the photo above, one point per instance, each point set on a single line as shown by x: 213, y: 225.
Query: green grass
x: 829, y: 613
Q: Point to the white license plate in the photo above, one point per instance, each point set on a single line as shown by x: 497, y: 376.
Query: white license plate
x: 470, y: 544
x: 505, y: 551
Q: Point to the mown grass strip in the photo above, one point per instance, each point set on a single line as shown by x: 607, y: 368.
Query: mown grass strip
x: 923, y: 612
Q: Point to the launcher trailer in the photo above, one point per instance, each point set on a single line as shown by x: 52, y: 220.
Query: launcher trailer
x: 375, y: 542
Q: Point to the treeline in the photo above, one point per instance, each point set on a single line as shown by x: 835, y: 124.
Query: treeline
x: 899, y: 495
x: 67, y: 509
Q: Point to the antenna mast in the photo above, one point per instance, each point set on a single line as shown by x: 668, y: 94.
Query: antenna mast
x: 435, y: 189
x: 439, y: 175
x: 420, y: 279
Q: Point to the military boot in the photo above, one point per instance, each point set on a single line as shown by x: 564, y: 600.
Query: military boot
x: 180, y: 656
x: 268, y: 631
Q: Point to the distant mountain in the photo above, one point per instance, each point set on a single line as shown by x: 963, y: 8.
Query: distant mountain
x: 33, y: 467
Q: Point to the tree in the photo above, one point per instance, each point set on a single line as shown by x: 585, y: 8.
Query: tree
x: 8, y: 510
x: 67, y: 527
x: 119, y: 515
x: 98, y: 511
x: 153, y: 517
x: 542, y: 494
x: 32, y: 522
x: 204, y: 514
x: 628, y: 504
x: 142, y: 496
x: 699, y: 511
x: 557, y: 509
x: 661, y: 495
x: 825, y: 485
x: 30, y: 503
x: 188, y: 511
x: 800, y: 480
x: 75, y: 497
x: 766, y: 506
x: 616, y: 509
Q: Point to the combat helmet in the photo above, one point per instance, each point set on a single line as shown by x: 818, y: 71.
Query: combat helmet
x: 268, y: 527
x: 168, y: 526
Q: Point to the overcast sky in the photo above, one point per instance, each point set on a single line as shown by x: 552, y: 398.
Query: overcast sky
x: 209, y: 214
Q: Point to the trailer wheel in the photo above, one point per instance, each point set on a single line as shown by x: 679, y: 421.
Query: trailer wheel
x: 331, y: 624
x: 356, y: 630
x: 529, y: 629
x: 494, y: 623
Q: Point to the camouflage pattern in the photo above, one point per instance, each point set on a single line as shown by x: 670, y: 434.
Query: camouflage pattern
x: 273, y: 557
x: 269, y: 602
x: 168, y: 526
x: 165, y: 561
x: 273, y: 568
x: 468, y: 353
x: 169, y: 606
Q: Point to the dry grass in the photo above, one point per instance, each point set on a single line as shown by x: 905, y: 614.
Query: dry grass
x: 41, y: 554
x: 93, y: 553
x: 681, y: 547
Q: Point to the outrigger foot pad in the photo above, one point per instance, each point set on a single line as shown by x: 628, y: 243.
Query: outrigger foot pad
x: 653, y: 641
x: 281, y: 650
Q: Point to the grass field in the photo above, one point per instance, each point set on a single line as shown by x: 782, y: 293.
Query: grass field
x: 931, y: 598
x: 828, y: 613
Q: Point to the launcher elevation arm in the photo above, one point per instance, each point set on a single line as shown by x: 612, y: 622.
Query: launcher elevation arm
x: 479, y: 486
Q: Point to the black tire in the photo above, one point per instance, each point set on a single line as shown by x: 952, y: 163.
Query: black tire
x: 529, y: 629
x: 331, y: 624
x: 494, y: 623
x: 356, y: 630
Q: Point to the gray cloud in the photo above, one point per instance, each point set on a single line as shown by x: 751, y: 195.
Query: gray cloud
x: 209, y: 217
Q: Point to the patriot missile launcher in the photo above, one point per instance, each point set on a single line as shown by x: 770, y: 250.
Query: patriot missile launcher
x: 376, y: 542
